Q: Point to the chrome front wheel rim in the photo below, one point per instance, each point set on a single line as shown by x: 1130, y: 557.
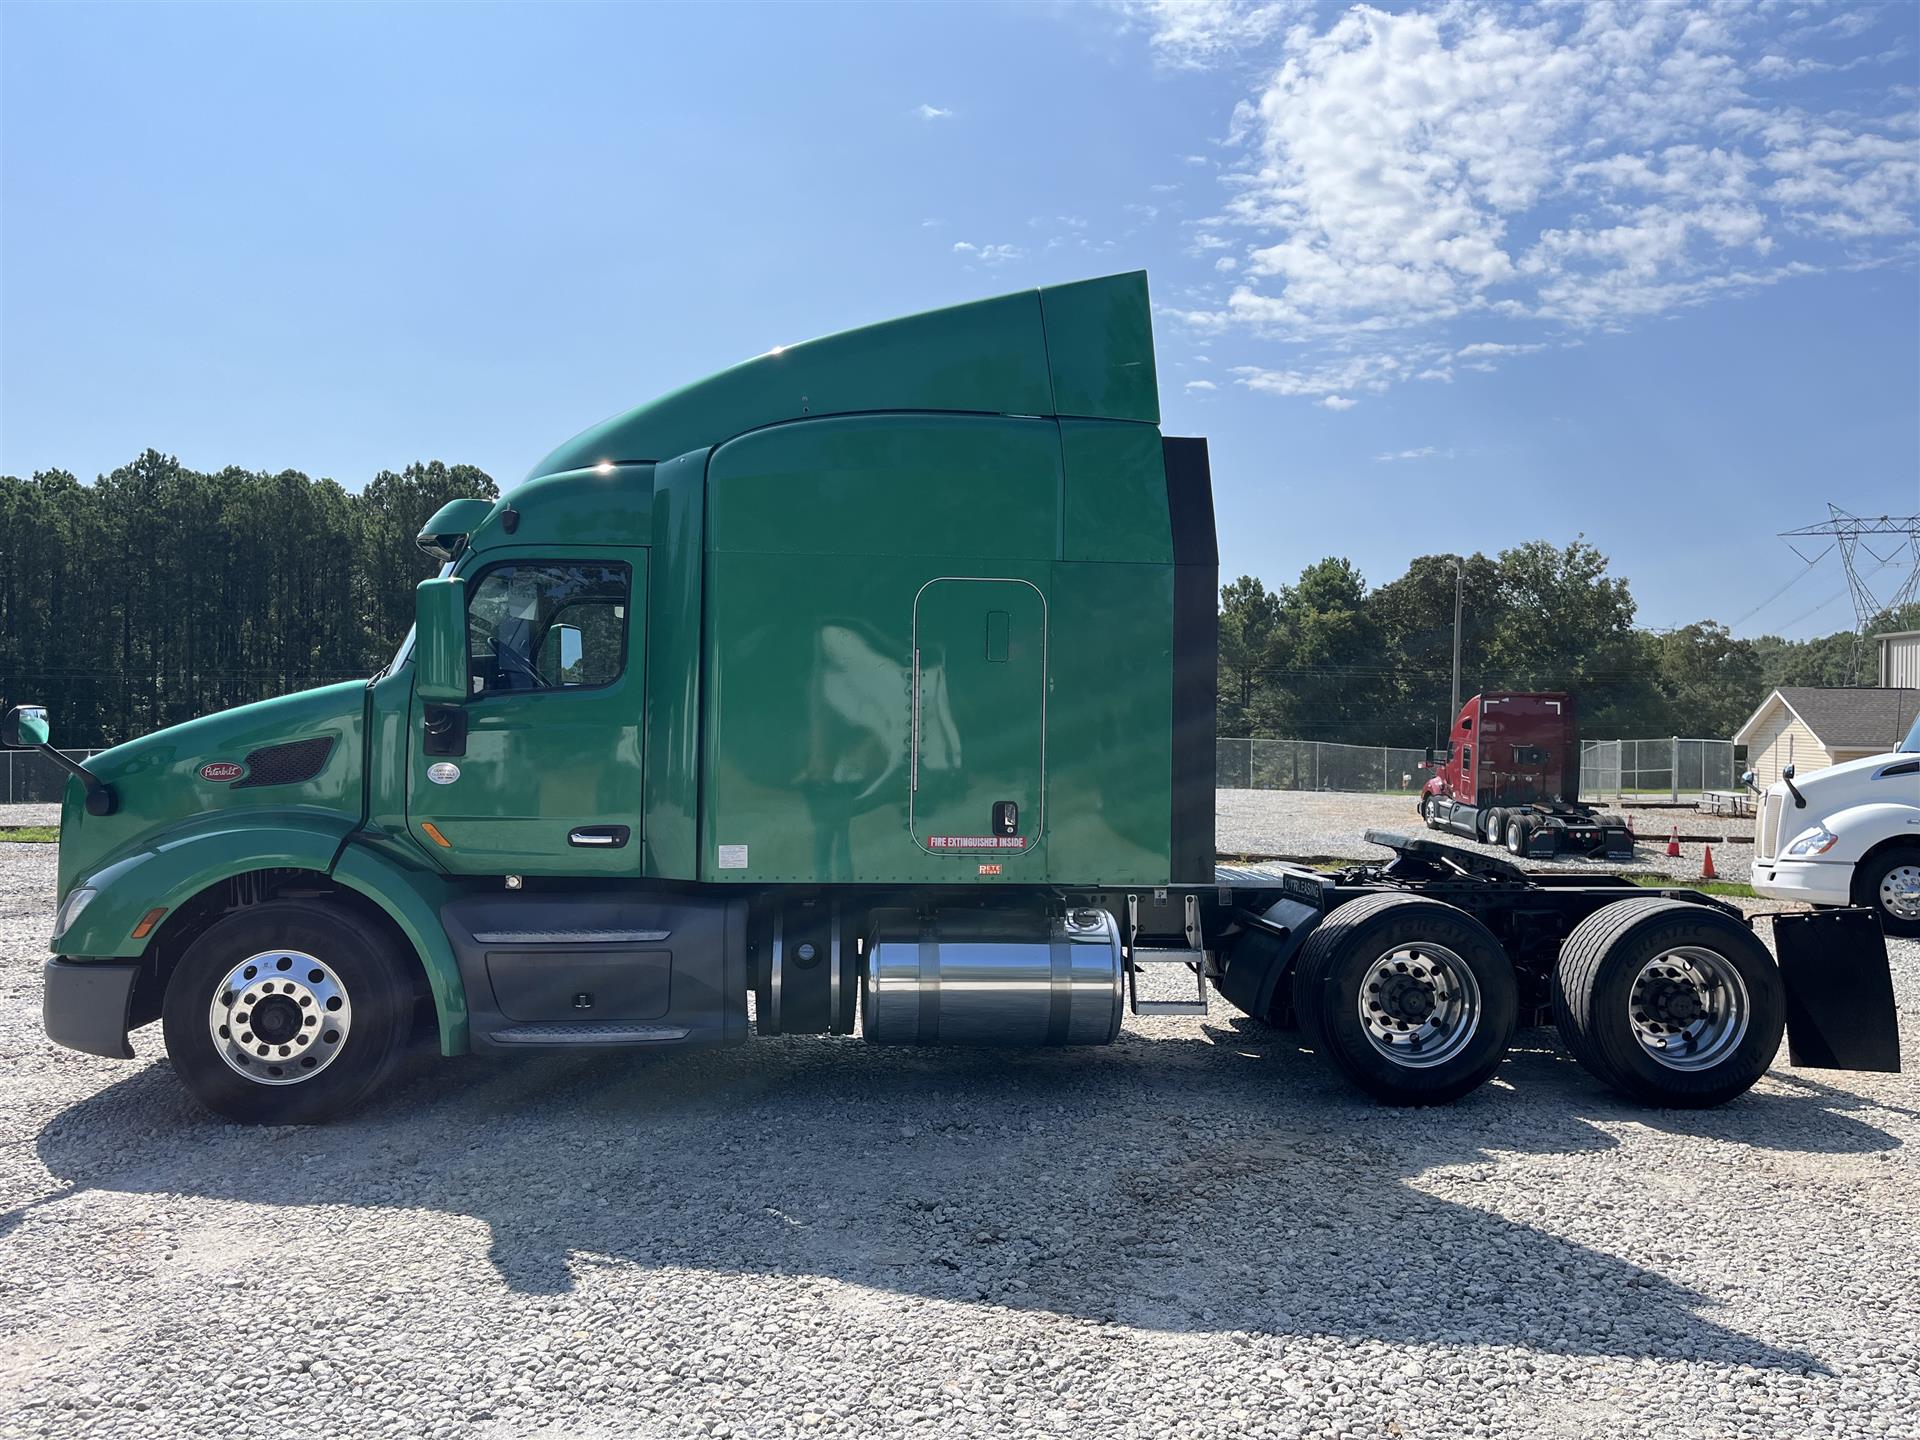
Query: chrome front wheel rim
x: 1689, y: 1008
x: 280, y: 1017
x: 1419, y: 1005
x: 1900, y: 892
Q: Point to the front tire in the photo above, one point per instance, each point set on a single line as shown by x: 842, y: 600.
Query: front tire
x: 288, y: 1013
x: 1412, y: 1000
x: 1669, y: 1002
x: 1889, y: 883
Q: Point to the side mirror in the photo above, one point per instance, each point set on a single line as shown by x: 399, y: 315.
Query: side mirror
x: 25, y: 728
x: 440, y: 641
x: 1436, y: 757
x: 1787, y: 771
x: 560, y: 652
x: 1751, y: 779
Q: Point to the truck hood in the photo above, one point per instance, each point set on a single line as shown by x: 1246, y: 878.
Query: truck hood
x: 1848, y: 777
x: 300, y: 752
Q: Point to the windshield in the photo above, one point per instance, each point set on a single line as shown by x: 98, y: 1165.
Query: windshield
x: 1911, y: 745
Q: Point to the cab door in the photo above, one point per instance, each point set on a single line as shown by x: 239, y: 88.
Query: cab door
x: 979, y: 717
x: 539, y: 772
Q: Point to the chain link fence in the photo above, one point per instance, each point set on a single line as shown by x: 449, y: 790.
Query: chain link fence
x: 1242, y: 764
x: 33, y: 779
x: 1672, y: 768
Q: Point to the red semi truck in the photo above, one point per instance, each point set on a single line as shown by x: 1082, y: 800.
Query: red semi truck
x: 1510, y: 775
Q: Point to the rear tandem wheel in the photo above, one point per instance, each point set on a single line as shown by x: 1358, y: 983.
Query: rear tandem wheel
x: 1669, y: 1002
x: 1411, y: 999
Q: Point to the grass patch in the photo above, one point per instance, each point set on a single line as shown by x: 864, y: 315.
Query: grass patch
x: 30, y: 834
x: 1727, y: 889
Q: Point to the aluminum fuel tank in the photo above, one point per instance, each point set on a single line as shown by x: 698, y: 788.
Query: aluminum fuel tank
x: 972, y: 977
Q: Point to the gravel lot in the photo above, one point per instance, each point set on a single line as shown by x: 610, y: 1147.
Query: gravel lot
x: 1330, y: 823
x: 1195, y: 1232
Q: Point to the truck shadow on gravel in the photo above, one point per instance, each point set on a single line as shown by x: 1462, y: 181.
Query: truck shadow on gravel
x: 1213, y: 1184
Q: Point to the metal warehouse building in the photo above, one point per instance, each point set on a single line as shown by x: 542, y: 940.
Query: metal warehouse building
x: 1899, y: 658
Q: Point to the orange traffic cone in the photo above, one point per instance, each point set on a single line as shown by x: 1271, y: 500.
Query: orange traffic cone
x: 1706, y: 866
x: 1673, y: 844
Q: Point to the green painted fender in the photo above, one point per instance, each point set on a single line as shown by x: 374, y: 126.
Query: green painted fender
x: 213, y: 848
x: 181, y: 862
x: 412, y: 897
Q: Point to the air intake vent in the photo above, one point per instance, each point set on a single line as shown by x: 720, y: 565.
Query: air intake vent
x: 286, y: 764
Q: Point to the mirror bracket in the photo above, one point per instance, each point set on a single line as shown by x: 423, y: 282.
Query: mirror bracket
x: 446, y: 730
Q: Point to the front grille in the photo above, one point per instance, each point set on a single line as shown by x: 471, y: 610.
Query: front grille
x: 286, y: 764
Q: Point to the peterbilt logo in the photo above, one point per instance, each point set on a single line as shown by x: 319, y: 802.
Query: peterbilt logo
x: 221, y: 772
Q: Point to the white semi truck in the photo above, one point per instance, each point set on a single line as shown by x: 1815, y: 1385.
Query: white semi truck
x: 1846, y: 835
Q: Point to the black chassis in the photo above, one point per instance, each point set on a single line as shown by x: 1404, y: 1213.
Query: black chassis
x: 1530, y: 913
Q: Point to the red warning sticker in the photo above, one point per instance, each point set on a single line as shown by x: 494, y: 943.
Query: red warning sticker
x: 989, y: 869
x: 976, y: 842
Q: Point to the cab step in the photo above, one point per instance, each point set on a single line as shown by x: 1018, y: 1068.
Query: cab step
x: 1140, y: 957
x: 589, y: 1032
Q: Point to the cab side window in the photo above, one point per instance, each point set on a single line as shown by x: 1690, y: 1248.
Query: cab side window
x: 546, y: 625
x: 1466, y: 757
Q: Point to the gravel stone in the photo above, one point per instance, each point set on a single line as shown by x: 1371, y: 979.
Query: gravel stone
x: 1197, y: 1232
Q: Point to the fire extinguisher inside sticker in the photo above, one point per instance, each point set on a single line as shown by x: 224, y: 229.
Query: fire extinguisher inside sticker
x: 733, y: 857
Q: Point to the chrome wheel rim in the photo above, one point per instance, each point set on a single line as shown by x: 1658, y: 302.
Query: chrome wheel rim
x: 1900, y: 892
x: 279, y: 1017
x: 1689, y: 1008
x: 1419, y: 1005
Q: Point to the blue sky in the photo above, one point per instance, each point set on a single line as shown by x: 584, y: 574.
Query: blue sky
x: 1430, y: 278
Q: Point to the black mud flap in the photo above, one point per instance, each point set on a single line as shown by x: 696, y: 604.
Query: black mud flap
x: 1840, y: 1012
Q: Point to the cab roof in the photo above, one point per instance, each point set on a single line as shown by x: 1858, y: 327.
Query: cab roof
x: 1083, y: 349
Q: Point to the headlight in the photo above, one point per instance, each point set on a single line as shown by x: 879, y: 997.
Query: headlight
x: 70, y: 912
x: 1816, y: 841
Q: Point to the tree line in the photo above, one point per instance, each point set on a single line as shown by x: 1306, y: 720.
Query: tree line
x: 159, y: 592
x: 1330, y: 658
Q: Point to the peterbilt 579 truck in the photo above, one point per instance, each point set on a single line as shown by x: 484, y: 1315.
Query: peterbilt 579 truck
x: 871, y: 682
x: 1510, y: 775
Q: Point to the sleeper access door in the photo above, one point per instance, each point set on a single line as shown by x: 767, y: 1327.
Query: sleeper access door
x: 979, y: 696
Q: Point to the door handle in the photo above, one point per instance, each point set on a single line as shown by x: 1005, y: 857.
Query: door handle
x: 598, y: 837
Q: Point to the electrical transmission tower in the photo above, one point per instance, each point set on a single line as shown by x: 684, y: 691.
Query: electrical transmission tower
x: 1881, y: 538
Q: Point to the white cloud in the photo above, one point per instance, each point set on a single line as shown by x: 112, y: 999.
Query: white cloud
x: 1226, y: 264
x: 1201, y: 385
x: 1339, y: 402
x: 988, y: 254
x: 932, y: 224
x: 1194, y: 33
x: 1424, y: 452
x: 1544, y: 170
x: 933, y: 112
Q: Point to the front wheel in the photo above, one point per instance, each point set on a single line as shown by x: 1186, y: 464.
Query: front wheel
x: 1890, y: 884
x: 1427, y: 812
x: 1669, y: 1002
x: 287, y: 1013
x: 1411, y: 999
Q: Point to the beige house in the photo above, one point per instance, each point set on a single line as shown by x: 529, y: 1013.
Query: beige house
x: 1811, y: 727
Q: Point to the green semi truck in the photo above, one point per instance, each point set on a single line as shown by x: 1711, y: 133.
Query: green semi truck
x: 867, y: 686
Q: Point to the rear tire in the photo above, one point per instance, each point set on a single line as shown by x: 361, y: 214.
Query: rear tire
x: 1889, y: 884
x: 1518, y: 829
x: 1492, y: 825
x: 288, y: 1013
x: 1436, y: 989
x: 1669, y: 1002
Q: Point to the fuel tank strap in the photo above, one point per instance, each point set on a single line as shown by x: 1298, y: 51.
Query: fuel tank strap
x: 1060, y: 988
